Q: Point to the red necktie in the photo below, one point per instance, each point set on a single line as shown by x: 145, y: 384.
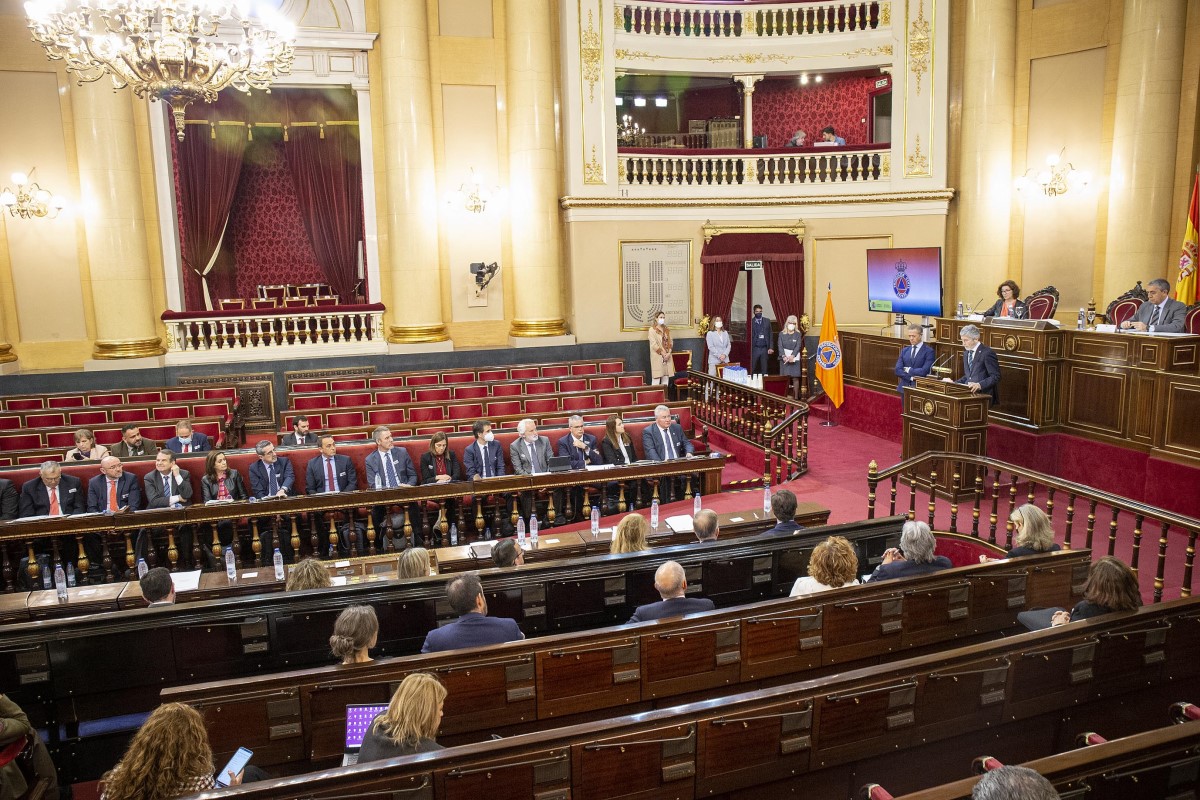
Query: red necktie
x: 187, y: 447
x: 330, y: 481
x: 112, y: 495
x: 55, y: 511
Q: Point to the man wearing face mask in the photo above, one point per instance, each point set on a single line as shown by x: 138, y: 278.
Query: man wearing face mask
x: 718, y: 343
x: 760, y: 342
x: 661, y: 367
x: 484, y: 458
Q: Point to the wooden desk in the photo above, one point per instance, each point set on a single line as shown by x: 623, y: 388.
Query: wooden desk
x: 81, y: 600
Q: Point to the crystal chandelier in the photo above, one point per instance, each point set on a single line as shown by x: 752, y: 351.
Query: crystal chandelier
x: 628, y: 131
x: 166, y: 50
x: 30, y: 200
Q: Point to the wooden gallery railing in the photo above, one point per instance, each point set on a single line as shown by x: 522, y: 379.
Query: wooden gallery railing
x: 776, y: 425
x: 321, y: 515
x: 999, y: 487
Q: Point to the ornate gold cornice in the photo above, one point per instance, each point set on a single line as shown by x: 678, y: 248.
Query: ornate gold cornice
x: 127, y: 348
x: 531, y: 328
x: 570, y: 202
x: 418, y: 334
x: 793, y: 229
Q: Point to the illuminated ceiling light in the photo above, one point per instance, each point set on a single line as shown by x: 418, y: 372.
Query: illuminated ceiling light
x: 640, y: 102
x: 660, y: 102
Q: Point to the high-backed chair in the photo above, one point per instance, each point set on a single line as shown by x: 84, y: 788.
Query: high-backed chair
x: 1125, y: 306
x: 265, y: 303
x: 232, y: 303
x: 1191, y: 322
x: 1043, y: 303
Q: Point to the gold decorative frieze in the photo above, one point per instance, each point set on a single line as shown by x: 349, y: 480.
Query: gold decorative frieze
x: 882, y: 50
x: 920, y: 45
x: 591, y: 46
x: 917, y: 164
x: 885, y: 14
x: 885, y: 165
x: 791, y: 229
x: 593, y: 171
x: 630, y: 55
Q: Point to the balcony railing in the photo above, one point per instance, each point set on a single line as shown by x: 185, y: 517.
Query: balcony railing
x: 214, y: 335
x: 753, y: 168
x: 706, y: 21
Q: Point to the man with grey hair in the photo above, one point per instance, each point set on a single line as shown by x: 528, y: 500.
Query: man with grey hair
x: 1159, y: 313
x: 52, y: 494
x: 1013, y: 783
x: 981, y: 368
x: 915, y: 361
x: 529, y: 452
x: 273, y: 477
x: 915, y: 556
x: 671, y: 585
x: 665, y: 441
x: 578, y: 445
x: 390, y: 467
x: 705, y: 525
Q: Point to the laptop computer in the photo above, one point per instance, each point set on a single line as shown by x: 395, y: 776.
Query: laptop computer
x: 560, y: 464
x: 358, y: 722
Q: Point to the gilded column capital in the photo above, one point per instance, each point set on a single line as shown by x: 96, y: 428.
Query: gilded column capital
x: 113, y: 349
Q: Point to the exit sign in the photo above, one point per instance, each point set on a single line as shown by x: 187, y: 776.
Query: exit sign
x: 753, y: 265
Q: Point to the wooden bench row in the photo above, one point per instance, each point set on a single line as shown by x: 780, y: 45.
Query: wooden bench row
x: 914, y: 720
x: 71, y: 670
x: 309, y: 382
x: 564, y: 678
x: 118, y: 397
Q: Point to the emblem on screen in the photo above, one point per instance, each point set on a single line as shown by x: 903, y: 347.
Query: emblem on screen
x: 901, y: 285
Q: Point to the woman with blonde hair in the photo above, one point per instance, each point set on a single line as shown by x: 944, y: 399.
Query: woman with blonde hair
x: 659, y: 335
x: 413, y: 563
x: 410, y: 722
x: 85, y: 448
x: 1033, y: 532
x: 631, y: 535
x: 168, y: 757
x: 354, y: 633
x: 310, y: 573
x: 833, y: 564
x: 791, y: 339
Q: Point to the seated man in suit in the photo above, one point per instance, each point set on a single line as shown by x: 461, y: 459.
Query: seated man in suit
x: 783, y: 508
x: 671, y: 585
x: 484, y: 458
x: 666, y: 441
x: 390, y: 467
x: 473, y: 628
x: 583, y: 449
x: 507, y: 553
x: 168, y: 486
x: 273, y: 476
x: 300, y: 436
x: 9, y: 500
x: 329, y: 473
x: 705, y: 526
x: 1159, y: 313
x: 187, y: 440
x: 157, y: 587
x: 132, y: 444
x: 52, y: 494
x: 914, y: 557
x: 112, y: 491
x: 530, y: 455
x: 981, y: 368
x: 915, y: 361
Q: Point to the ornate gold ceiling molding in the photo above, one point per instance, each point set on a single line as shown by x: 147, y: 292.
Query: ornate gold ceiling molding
x: 792, y: 229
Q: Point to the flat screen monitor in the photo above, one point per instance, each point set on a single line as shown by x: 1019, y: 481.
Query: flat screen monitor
x: 905, y: 280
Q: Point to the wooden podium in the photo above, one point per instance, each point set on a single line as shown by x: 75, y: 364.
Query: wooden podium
x: 949, y: 417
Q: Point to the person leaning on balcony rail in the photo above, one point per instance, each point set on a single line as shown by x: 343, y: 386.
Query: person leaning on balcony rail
x: 659, y: 335
x: 798, y: 139
x: 828, y: 135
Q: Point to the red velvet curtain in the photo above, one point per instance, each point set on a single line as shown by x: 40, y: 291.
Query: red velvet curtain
x: 720, y: 281
x: 208, y: 165
x: 327, y: 172
x: 783, y: 267
x: 785, y: 285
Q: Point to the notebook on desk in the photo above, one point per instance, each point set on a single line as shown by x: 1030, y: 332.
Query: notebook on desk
x: 358, y: 722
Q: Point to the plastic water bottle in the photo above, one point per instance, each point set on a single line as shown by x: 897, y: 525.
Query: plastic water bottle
x: 230, y: 565
x: 654, y: 515
x: 595, y: 521
x: 959, y: 313
x: 1080, y: 322
x: 487, y: 534
x: 767, y: 498
x: 521, y: 532
x: 143, y: 568
x: 278, y: 559
x: 453, y: 534
x: 533, y: 530
x: 46, y: 578
x: 70, y: 573
x: 378, y: 483
x: 60, y: 583
x: 696, y: 504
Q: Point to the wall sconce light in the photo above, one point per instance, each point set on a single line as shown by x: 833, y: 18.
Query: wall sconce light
x: 472, y: 195
x: 30, y: 200
x: 1056, y: 179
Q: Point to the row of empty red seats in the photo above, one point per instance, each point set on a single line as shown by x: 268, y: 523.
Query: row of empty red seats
x: 118, y: 397
x: 371, y: 414
x: 463, y: 391
x: 98, y: 415
x: 466, y: 375
x: 56, y: 441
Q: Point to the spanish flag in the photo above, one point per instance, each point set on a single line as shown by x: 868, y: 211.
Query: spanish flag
x: 829, y: 354
x: 1185, y: 286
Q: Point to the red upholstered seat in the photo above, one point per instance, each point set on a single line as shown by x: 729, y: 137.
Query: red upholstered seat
x: 540, y: 387
x: 143, y: 397
x: 601, y: 417
x: 1191, y: 322
x: 351, y: 399
x: 67, y: 401
x: 91, y: 417
x: 1043, y: 303
x: 170, y: 412
x: 427, y: 414
x: 131, y: 415
x: 160, y: 433
x: 348, y: 437
x: 656, y: 394
x: 615, y: 400
x: 347, y: 384
x: 541, y: 405
x: 385, y: 381
x: 550, y: 421
x: 470, y: 392
x: 302, y: 387
x: 606, y: 382
x: 429, y: 430
x: 503, y: 408
x: 488, y: 375
x: 296, y: 302
x: 423, y: 380
x: 578, y: 402
x: 176, y: 395
x: 102, y: 399
x: 572, y: 385
x: 466, y: 411
x: 555, y: 371
x: 1089, y: 739
x: 508, y: 390
x: 458, y: 377
x: 961, y: 552
x: 519, y: 373
x: 386, y: 416
x: 584, y: 369
x: 984, y: 764
x: 312, y: 402
x: 630, y: 381
x: 393, y: 396
x: 14, y: 422
x: 47, y: 419
x: 265, y: 304
x: 231, y: 303
x: 1122, y: 310
x: 345, y: 419
x: 325, y: 301
x: 20, y: 441
x: 612, y: 366
x: 211, y: 410
x: 439, y: 393
x: 24, y: 404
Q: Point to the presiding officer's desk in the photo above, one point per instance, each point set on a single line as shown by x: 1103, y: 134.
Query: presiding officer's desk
x: 1129, y: 389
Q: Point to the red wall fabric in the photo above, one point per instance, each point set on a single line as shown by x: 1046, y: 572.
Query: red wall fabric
x: 782, y: 106
x: 709, y: 103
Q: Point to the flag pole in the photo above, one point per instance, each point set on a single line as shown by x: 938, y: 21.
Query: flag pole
x: 831, y: 419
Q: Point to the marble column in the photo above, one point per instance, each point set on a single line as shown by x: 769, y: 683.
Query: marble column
x: 747, y: 82
x: 415, y: 306
x: 114, y: 223
x: 533, y: 179
x: 986, y: 180
x: 1142, y: 173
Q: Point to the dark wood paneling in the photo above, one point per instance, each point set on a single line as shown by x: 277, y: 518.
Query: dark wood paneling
x: 1096, y: 400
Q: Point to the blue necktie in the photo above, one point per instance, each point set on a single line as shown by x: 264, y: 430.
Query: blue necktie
x: 389, y: 470
x: 970, y: 360
x: 272, y: 482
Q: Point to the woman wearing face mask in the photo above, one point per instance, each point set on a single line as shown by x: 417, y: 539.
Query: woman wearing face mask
x: 717, y: 340
x: 661, y: 368
x: 790, y: 340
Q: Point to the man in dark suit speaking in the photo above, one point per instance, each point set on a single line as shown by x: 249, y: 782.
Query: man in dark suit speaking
x: 671, y: 585
x: 915, y: 361
x: 981, y: 368
x: 473, y: 628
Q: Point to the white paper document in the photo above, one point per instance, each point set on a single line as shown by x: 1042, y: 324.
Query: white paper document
x: 186, y: 581
x: 680, y: 524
